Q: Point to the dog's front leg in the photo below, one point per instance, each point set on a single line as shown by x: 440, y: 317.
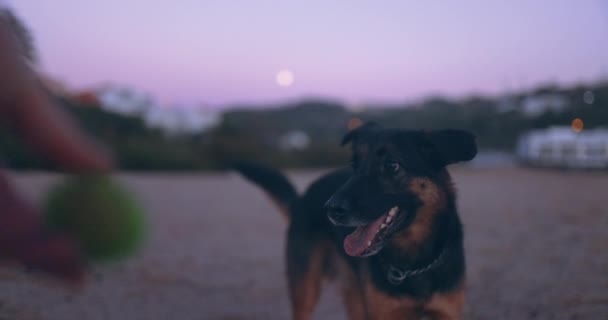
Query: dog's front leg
x: 381, y: 306
x: 446, y: 306
x: 305, y: 261
x: 352, y: 292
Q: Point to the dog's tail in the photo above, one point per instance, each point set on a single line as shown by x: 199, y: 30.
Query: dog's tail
x: 273, y: 182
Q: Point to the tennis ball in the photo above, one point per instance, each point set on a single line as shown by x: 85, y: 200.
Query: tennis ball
x: 99, y: 213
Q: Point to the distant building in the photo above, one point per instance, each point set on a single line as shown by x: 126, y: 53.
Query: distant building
x: 126, y: 101
x: 294, y: 140
x: 181, y: 120
x: 356, y: 107
x: 123, y: 100
x: 535, y: 105
x: 562, y: 147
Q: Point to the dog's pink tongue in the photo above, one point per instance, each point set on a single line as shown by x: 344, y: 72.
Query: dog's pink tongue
x: 356, y: 242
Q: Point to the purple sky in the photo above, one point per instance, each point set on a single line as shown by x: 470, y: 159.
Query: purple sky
x: 220, y: 52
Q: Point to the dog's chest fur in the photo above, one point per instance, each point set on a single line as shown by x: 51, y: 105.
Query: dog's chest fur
x: 415, y: 298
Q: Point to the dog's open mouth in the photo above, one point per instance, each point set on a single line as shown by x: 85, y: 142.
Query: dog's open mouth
x: 369, y: 239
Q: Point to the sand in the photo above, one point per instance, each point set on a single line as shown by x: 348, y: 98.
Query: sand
x: 536, y: 246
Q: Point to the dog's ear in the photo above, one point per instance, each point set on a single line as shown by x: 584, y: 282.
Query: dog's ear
x: 450, y: 146
x: 363, y: 129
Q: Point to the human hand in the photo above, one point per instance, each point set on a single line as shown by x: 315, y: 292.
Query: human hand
x: 26, y: 109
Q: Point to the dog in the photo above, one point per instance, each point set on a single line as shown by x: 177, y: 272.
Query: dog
x: 387, y: 226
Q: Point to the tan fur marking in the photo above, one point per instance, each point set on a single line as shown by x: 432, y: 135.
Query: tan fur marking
x: 441, y: 306
x: 447, y: 306
x: 283, y: 209
x: 352, y: 292
x: 305, y: 293
x: 433, y: 199
x: 381, y: 306
x: 448, y: 183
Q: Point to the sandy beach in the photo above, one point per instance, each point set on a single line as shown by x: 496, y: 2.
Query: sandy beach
x: 536, y: 244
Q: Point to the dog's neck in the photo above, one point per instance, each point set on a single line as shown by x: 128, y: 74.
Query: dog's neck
x: 396, y: 274
x: 434, y: 225
x: 413, y: 249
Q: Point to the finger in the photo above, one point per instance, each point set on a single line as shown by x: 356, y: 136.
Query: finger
x: 11, y: 63
x: 25, y: 239
x: 54, y: 254
x: 54, y: 134
x: 25, y: 105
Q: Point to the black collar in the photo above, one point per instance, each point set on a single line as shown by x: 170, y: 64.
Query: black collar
x: 396, y: 275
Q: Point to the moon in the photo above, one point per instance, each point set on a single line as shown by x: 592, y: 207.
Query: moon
x: 285, y: 78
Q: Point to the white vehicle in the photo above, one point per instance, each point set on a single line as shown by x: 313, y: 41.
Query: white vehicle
x: 562, y: 147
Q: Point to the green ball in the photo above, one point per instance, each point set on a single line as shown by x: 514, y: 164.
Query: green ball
x: 100, y: 214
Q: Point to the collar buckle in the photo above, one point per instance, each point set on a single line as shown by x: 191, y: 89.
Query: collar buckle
x: 396, y: 276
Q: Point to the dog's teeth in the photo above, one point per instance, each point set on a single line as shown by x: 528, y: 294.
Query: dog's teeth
x: 393, y: 211
x: 382, y: 226
x: 369, y: 243
x: 389, y: 219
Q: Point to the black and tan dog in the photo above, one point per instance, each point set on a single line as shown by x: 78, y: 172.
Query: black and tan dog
x: 387, y: 227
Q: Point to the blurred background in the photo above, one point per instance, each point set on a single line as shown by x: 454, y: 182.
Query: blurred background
x: 195, y: 85
x: 192, y: 86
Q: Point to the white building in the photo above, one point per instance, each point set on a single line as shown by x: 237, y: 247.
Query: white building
x: 123, y: 100
x: 535, y: 105
x: 181, y: 119
x: 562, y: 147
x: 294, y: 140
x: 175, y: 119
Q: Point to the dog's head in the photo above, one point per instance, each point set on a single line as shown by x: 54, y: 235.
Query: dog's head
x: 390, y: 168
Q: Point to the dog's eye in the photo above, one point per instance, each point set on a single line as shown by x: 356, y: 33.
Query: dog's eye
x: 391, y: 167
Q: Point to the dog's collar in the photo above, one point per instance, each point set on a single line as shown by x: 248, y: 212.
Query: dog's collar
x: 396, y: 275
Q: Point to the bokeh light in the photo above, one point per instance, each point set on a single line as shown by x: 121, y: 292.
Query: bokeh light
x: 588, y: 97
x: 577, y: 125
x: 285, y: 78
x: 354, y: 123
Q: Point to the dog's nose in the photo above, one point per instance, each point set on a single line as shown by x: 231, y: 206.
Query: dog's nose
x: 337, y: 208
x: 338, y: 204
